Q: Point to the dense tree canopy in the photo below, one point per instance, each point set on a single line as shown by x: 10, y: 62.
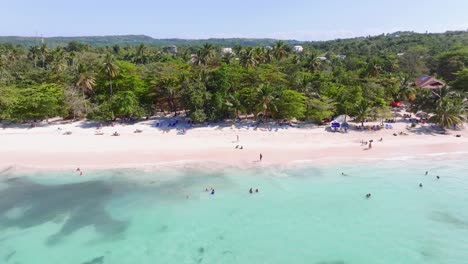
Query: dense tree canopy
x: 358, y: 77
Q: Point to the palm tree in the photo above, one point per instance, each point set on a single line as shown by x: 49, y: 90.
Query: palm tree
x: 449, y: 112
x: 259, y: 54
x: 267, y: 98
x: 86, y: 80
x: 205, y: 54
x: 110, y: 69
x: 44, y: 51
x: 247, y: 58
x: 58, y: 62
x: 140, y: 54
x: 280, y: 50
x: 363, y: 110
x: 34, y: 54
x: 227, y: 57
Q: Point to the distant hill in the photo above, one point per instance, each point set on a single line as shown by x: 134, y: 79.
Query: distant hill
x: 138, y: 39
x: 398, y: 40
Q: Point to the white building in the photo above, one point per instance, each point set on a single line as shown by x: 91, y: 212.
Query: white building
x: 227, y: 50
x: 298, y: 48
x: 400, y: 54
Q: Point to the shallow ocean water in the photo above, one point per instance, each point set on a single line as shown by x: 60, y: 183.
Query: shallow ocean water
x: 305, y: 214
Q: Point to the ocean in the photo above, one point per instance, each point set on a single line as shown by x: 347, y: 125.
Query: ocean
x: 301, y: 214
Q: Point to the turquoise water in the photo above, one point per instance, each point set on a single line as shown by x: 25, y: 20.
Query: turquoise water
x: 301, y: 215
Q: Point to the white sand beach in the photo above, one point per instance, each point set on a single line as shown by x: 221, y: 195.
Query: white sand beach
x: 46, y: 146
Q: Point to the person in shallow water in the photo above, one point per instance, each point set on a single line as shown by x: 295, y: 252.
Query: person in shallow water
x: 420, y: 185
x: 368, y: 195
x: 438, y: 177
x: 250, y: 191
x: 212, y: 191
x: 426, y: 173
x: 256, y: 190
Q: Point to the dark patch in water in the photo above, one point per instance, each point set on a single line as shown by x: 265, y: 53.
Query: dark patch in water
x: 445, y: 217
x: 200, y: 260
x: 201, y: 250
x: 225, y: 252
x: 10, y: 255
x: 163, y: 228
x: 83, y: 203
x: 98, y: 260
x: 220, y: 237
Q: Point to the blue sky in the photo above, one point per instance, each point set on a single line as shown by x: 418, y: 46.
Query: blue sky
x: 287, y: 19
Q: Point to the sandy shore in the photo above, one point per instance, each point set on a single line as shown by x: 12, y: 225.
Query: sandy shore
x: 46, y: 147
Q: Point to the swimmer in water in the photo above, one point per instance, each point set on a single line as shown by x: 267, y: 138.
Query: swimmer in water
x: 212, y: 192
x: 256, y: 190
x: 250, y: 191
x: 438, y: 177
x: 426, y: 173
x: 420, y: 185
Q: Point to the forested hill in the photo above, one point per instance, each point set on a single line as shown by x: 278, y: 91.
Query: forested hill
x: 132, y: 40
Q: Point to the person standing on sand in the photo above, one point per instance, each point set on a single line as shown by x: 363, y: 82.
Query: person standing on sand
x: 261, y: 156
x: 237, y: 138
x: 370, y: 145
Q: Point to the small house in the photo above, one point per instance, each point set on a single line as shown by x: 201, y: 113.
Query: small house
x: 298, y: 49
x: 429, y: 82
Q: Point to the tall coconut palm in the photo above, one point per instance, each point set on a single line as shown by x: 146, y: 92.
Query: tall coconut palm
x: 44, y: 51
x: 110, y: 69
x: 34, y: 54
x: 86, y: 80
x: 449, y: 112
x: 59, y: 62
x: 247, y: 58
x: 140, y: 54
x: 363, y: 110
x: 280, y: 50
x: 205, y: 54
x: 267, y: 98
x: 227, y: 57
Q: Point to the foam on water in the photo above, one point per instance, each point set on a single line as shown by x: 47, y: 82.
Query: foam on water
x: 302, y: 214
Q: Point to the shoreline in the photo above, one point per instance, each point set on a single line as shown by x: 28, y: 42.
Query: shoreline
x: 46, y: 148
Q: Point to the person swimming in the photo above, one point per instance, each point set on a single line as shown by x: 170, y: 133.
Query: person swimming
x: 250, y: 191
x: 344, y: 174
x: 438, y: 177
x: 426, y: 173
x: 420, y: 185
x: 368, y: 195
x: 212, y: 191
x: 256, y: 190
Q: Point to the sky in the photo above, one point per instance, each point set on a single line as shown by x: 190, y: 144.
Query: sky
x: 199, y: 19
